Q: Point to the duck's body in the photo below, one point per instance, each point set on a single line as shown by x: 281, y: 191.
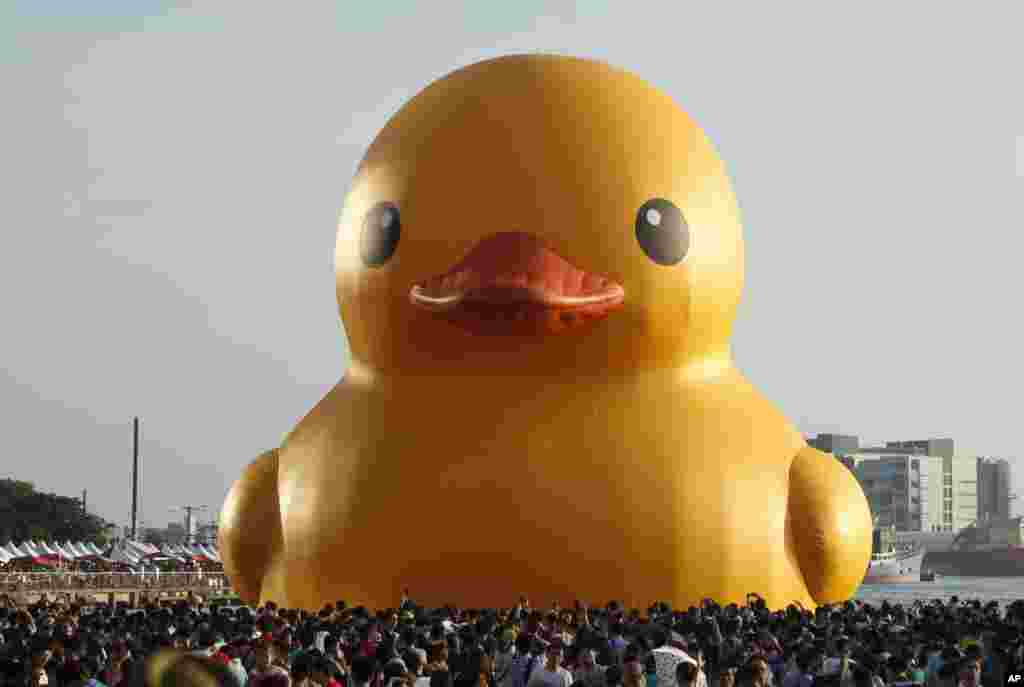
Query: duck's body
x: 542, y: 397
x: 540, y: 485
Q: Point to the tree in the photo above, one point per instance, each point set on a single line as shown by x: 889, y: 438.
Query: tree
x: 28, y: 514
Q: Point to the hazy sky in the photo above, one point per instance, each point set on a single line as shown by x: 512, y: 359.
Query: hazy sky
x: 173, y: 179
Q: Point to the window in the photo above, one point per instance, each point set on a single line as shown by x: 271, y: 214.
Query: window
x: 948, y: 492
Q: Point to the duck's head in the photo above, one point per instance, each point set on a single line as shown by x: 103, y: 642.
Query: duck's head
x: 539, y: 214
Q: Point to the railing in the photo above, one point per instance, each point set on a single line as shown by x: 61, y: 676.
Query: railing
x: 63, y: 581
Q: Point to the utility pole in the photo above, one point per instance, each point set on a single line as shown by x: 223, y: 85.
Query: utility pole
x: 189, y: 510
x: 135, y: 477
x: 85, y: 492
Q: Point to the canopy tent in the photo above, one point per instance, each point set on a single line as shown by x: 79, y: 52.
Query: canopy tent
x: 67, y: 550
x: 46, y: 561
x: 63, y: 553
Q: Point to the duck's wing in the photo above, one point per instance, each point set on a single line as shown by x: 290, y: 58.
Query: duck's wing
x: 830, y: 523
x: 249, y: 532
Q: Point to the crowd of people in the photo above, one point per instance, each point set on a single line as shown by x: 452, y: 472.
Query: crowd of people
x: 939, y: 644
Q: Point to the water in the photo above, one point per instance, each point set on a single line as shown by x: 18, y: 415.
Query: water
x: 985, y: 589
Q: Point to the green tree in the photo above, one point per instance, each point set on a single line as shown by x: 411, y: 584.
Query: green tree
x: 28, y: 514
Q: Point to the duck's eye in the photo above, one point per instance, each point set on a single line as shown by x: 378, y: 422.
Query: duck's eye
x: 382, y: 228
x: 662, y: 232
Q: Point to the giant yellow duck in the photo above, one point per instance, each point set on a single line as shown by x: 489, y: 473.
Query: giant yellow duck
x: 538, y: 266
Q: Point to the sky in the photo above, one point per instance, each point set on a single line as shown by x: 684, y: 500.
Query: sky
x: 174, y: 176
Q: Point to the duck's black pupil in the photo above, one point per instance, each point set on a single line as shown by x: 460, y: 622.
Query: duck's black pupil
x: 663, y: 234
x: 381, y: 231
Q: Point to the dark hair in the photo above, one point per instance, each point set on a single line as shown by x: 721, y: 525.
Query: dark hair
x: 441, y: 678
x: 686, y: 673
x: 301, y: 669
x: 413, y: 661
x: 612, y: 676
x: 363, y: 669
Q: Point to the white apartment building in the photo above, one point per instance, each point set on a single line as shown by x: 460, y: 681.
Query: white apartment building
x: 918, y: 493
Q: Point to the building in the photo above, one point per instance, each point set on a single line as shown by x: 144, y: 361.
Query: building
x: 942, y: 448
x: 836, y: 444
x: 958, y: 493
x: 994, y: 479
x: 842, y: 446
x: 952, y: 494
x: 896, y: 486
x: 918, y: 493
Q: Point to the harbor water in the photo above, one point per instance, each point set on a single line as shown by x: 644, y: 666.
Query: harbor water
x: 985, y: 589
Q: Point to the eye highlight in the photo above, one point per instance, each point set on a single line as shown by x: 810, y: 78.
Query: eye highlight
x: 662, y: 231
x: 382, y: 228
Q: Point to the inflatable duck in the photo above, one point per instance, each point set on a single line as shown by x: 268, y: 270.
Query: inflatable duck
x: 538, y: 265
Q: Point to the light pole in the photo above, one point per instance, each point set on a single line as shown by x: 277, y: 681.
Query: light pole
x: 189, y: 510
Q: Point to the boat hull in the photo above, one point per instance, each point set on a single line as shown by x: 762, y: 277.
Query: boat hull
x: 1007, y: 562
x: 901, y: 570
x: 891, y: 579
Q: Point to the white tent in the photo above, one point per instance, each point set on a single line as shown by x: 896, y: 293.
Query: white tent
x: 95, y: 549
x: 60, y: 551
x: 15, y: 551
x: 212, y: 553
x: 45, y: 549
x: 170, y: 553
x: 5, y: 555
x: 76, y: 548
x: 122, y: 554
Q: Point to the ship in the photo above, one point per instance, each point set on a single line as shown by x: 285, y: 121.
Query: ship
x: 895, y: 567
x: 990, y: 548
x: 889, y: 564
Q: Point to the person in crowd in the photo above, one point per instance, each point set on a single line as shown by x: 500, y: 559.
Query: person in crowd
x: 633, y: 673
x: 969, y: 672
x: 266, y: 672
x: 71, y: 642
x: 552, y: 674
x: 364, y: 671
x: 120, y: 665
x: 302, y: 672
x: 323, y: 673
x: 416, y: 660
x: 758, y: 672
x: 588, y: 673
x: 686, y: 674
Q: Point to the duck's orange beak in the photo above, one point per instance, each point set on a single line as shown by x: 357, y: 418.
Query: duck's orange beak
x: 512, y: 282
